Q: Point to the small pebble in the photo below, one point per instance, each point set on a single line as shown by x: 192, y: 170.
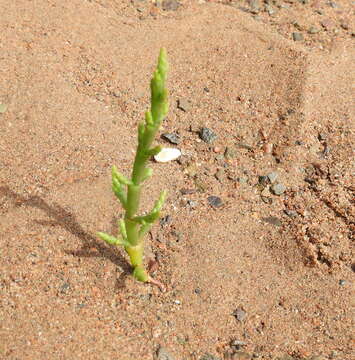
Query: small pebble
x: 244, y: 146
x: 207, y: 135
x: 163, y: 354
x: 209, y: 357
x: 273, y: 220
x: 183, y: 104
x: 263, y: 180
x: 230, y: 153
x: 342, y: 282
x: 173, y: 138
x: 65, y: 288
x: 242, y: 180
x: 170, y: 5
x: 240, y: 314
x: 272, y: 176
x: 313, y: 30
x: 215, y: 201
x: 291, y: 213
x: 333, y: 4
x: 296, y: 36
x: 278, y: 189
x: 220, y: 175
x: 3, y: 108
x: 238, y: 343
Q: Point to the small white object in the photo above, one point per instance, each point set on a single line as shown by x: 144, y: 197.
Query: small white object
x: 167, y: 154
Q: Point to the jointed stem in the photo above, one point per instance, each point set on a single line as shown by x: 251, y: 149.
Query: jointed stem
x: 133, y: 228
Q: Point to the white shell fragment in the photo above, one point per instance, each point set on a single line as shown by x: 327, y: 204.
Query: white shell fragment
x: 167, y: 154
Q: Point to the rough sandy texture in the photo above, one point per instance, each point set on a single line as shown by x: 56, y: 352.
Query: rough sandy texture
x: 274, y: 272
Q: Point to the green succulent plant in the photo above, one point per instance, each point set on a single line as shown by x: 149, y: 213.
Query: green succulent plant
x: 133, y: 228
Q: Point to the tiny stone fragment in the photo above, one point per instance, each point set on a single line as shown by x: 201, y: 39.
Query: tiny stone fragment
x: 215, y: 201
x: 163, y: 354
x: 3, y: 108
x: 278, y: 189
x: 173, y: 138
x: 170, y: 5
x: 65, y: 288
x: 244, y: 146
x: 296, y: 36
x: 238, y: 343
x: 183, y: 104
x: 291, y: 213
x: 220, y: 175
x: 273, y: 220
x: 230, y: 153
x: 207, y: 135
x: 187, y: 191
x: 254, y: 6
x: 209, y: 357
x: 272, y: 176
x: 263, y: 180
x: 313, y: 30
x: 240, y: 314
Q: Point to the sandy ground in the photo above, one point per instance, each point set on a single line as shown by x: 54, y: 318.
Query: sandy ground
x: 262, y: 275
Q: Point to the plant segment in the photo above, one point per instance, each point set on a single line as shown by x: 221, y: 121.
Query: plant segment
x: 133, y: 228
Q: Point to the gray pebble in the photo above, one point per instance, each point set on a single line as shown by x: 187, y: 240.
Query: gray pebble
x: 240, y: 314
x: 242, y: 180
x: 342, y: 282
x: 207, y: 135
x: 230, y: 153
x: 173, y: 138
x: 270, y: 10
x: 291, y: 213
x: 238, y: 344
x: 296, y: 36
x: 313, y: 30
x: 244, y: 146
x: 65, y: 288
x: 333, y: 4
x: 163, y: 354
x: 278, y: 189
x: 209, y: 357
x: 273, y: 220
x: 254, y: 6
x: 215, y: 201
x: 170, y: 5
x: 272, y: 176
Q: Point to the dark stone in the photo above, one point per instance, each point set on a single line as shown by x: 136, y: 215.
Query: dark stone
x: 207, y: 135
x: 173, y: 138
x: 215, y: 201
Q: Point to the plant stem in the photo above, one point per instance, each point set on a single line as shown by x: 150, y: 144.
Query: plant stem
x: 132, y: 227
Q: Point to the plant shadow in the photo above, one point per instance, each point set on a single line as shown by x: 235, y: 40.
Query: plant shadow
x: 91, y: 247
